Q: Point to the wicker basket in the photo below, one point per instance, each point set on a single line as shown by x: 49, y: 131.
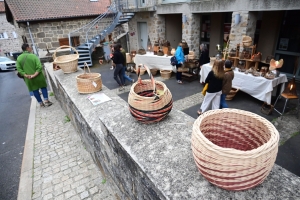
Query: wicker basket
x: 234, y: 149
x: 231, y: 94
x: 166, y: 74
x: 68, y: 63
x: 141, y: 51
x: 88, y: 82
x: 149, y: 100
x: 247, y: 41
x: 153, y: 71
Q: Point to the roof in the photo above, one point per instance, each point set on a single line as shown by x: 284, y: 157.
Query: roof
x: 35, y: 10
x: 2, y: 8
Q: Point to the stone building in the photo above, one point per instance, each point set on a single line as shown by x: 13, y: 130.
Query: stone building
x: 9, y: 41
x: 46, y: 24
x: 273, y: 26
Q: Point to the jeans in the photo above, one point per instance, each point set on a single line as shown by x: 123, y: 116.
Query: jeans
x: 125, y: 77
x: 37, y: 95
x: 223, y: 103
x: 178, y: 74
x: 118, y: 75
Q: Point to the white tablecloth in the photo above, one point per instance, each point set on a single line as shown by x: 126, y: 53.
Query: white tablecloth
x: 258, y: 87
x: 154, y: 61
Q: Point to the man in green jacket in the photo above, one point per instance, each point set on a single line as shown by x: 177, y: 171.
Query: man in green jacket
x: 30, y: 67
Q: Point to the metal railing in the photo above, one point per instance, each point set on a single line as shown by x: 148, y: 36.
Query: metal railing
x: 137, y: 4
x: 90, y: 30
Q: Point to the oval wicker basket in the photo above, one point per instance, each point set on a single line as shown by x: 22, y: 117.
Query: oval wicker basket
x: 234, y: 149
x: 68, y: 63
x: 166, y: 74
x: 149, y: 100
x: 231, y: 94
x: 88, y: 82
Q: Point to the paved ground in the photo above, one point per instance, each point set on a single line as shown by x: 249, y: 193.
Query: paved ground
x: 14, y: 109
x: 64, y: 170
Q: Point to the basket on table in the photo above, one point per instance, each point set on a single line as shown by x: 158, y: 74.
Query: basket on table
x: 160, y: 52
x: 141, y: 51
x: 231, y: 94
x: 68, y: 63
x: 149, y: 100
x: 88, y: 82
x: 166, y: 74
x: 234, y: 149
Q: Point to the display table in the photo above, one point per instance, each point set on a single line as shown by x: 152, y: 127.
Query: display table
x: 154, y: 61
x: 258, y: 87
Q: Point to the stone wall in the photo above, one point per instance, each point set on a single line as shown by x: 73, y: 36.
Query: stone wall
x: 152, y: 161
x: 156, y: 28
x: 191, y: 32
x: 10, y: 44
x: 47, y: 34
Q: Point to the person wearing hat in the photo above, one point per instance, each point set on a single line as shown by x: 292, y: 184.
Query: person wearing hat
x: 227, y: 83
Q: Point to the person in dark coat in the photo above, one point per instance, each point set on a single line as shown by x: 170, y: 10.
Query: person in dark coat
x: 204, y: 57
x: 118, y: 60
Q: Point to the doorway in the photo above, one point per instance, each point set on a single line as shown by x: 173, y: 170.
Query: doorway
x: 143, y: 35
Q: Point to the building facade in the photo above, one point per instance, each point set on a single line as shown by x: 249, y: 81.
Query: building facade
x: 274, y: 26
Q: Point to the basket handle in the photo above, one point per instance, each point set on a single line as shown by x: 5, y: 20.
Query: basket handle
x: 86, y: 65
x: 150, y: 75
x: 64, y: 46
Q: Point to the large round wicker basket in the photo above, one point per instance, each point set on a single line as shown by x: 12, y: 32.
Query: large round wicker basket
x: 234, y: 149
x: 149, y: 100
x: 68, y: 63
x: 166, y: 74
x: 89, y: 82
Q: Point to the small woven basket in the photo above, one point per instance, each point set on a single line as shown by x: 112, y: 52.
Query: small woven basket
x: 234, y: 149
x: 68, y: 63
x: 149, y: 100
x: 153, y: 71
x: 166, y: 74
x: 231, y: 94
x: 88, y: 82
x: 141, y: 51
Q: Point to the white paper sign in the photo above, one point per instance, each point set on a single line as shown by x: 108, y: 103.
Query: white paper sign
x: 98, y: 98
x: 94, y: 84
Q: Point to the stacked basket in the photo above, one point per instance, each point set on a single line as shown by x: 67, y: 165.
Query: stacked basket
x: 149, y: 100
x: 234, y: 149
x: 68, y: 63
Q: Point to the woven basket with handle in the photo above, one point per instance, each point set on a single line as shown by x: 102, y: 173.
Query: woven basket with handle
x: 68, y: 63
x: 88, y: 82
x: 149, y: 100
x: 166, y: 74
x: 234, y: 149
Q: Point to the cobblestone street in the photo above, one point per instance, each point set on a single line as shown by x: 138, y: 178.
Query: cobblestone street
x: 63, y: 169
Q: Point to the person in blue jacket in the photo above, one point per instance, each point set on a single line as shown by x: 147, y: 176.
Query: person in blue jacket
x: 180, y: 60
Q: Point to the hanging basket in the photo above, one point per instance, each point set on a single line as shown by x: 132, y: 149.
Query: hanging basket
x: 68, y: 63
x: 88, y: 82
x: 166, y: 74
x: 149, y: 100
x: 234, y: 149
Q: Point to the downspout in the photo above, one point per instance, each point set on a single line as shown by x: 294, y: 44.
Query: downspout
x: 33, y: 45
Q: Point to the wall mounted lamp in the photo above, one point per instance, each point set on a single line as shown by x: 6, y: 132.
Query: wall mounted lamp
x: 237, y: 19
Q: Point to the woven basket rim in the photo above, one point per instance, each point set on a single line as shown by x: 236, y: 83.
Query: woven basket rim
x: 79, y: 78
x: 147, y: 80
x: 57, y: 61
x: 234, y: 153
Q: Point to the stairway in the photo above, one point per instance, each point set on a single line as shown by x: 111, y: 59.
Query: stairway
x: 85, y: 50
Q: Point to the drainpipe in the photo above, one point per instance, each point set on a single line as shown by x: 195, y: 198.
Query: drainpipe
x: 33, y: 45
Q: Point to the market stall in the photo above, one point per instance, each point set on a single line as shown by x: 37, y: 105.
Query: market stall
x: 258, y: 87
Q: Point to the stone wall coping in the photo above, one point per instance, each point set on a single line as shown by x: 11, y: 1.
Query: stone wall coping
x: 163, y: 150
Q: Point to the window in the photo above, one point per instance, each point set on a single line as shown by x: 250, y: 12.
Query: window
x: 3, y: 35
x: 24, y: 39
